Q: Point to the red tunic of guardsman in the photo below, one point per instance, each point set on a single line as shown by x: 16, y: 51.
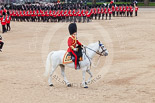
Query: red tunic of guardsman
x: 73, y: 42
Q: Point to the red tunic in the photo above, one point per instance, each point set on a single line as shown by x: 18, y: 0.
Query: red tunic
x: 105, y: 10
x: 72, y: 41
x: 113, y: 9
x: 8, y: 19
x: 3, y: 21
x: 136, y: 8
x: 117, y: 8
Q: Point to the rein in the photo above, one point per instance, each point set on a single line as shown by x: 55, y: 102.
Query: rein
x: 94, y: 51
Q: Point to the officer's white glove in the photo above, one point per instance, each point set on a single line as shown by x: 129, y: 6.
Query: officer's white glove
x: 75, y: 49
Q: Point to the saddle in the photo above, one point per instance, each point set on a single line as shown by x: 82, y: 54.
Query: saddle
x: 68, y: 58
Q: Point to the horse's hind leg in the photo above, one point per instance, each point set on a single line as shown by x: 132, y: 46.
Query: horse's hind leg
x: 64, y: 76
x: 51, y: 73
x: 89, y: 79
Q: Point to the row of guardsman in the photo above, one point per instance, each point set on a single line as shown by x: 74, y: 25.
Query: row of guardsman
x: 69, y: 13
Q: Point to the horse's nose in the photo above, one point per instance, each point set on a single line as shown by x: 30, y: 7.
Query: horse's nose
x: 106, y: 54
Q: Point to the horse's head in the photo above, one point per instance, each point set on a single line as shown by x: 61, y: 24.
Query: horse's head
x: 102, y: 50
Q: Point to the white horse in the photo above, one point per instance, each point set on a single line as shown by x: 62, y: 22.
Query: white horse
x: 55, y: 59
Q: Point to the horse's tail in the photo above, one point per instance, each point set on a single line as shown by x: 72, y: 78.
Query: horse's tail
x: 48, y: 63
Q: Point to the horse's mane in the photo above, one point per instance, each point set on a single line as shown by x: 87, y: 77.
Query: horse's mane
x: 92, y: 44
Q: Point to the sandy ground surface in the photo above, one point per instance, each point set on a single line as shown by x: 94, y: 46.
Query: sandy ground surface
x: 127, y: 75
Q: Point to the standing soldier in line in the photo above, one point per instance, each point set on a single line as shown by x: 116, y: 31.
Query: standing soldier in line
x: 131, y: 10
x: 21, y: 15
x: 102, y: 12
x: 24, y: 15
x: 31, y: 15
x: 113, y: 10
x: 74, y: 15
x: 34, y: 14
x: 127, y: 9
x: 70, y: 14
x: 3, y: 22
x: 124, y: 10
x: 105, y: 11
x: 13, y: 15
x: 79, y: 15
x: 17, y: 15
x: 67, y: 15
x: 51, y: 14
x: 1, y: 43
x: 99, y: 12
x: 28, y: 15
x: 95, y: 12
x: 61, y: 14
x: 84, y: 15
x: 46, y: 15
x: 136, y: 9
x: 58, y: 15
x: 8, y: 19
x: 92, y: 13
x: 117, y: 11
x: 110, y: 12
x: 88, y: 14
x: 38, y: 15
x: 120, y: 9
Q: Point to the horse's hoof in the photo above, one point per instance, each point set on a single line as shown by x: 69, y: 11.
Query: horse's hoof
x: 51, y: 85
x: 86, y: 87
x: 69, y: 85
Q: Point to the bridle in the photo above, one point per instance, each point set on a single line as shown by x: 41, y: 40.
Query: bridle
x: 97, y: 52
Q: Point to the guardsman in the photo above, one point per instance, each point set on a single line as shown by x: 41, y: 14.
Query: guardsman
x: 92, y: 13
x: 24, y: 13
x: 99, y: 12
x: 79, y: 15
x: 120, y: 9
x: 102, y: 12
x: 62, y: 15
x: 105, y: 12
x: 109, y: 12
x: 113, y: 10
x: 72, y: 43
x: 3, y: 22
x: 1, y: 43
x: 28, y: 15
x: 17, y: 15
x: 84, y: 15
x: 8, y: 19
x: 13, y: 15
x: 131, y: 10
x: 88, y: 14
x: 124, y: 10
x: 74, y: 15
x: 95, y: 13
x: 117, y: 9
x: 127, y: 9
x: 136, y: 10
x: 51, y: 14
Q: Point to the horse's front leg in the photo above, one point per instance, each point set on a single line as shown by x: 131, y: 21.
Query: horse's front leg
x: 89, y: 79
x: 84, y: 77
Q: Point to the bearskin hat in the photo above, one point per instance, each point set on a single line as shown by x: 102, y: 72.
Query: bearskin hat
x: 72, y: 28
